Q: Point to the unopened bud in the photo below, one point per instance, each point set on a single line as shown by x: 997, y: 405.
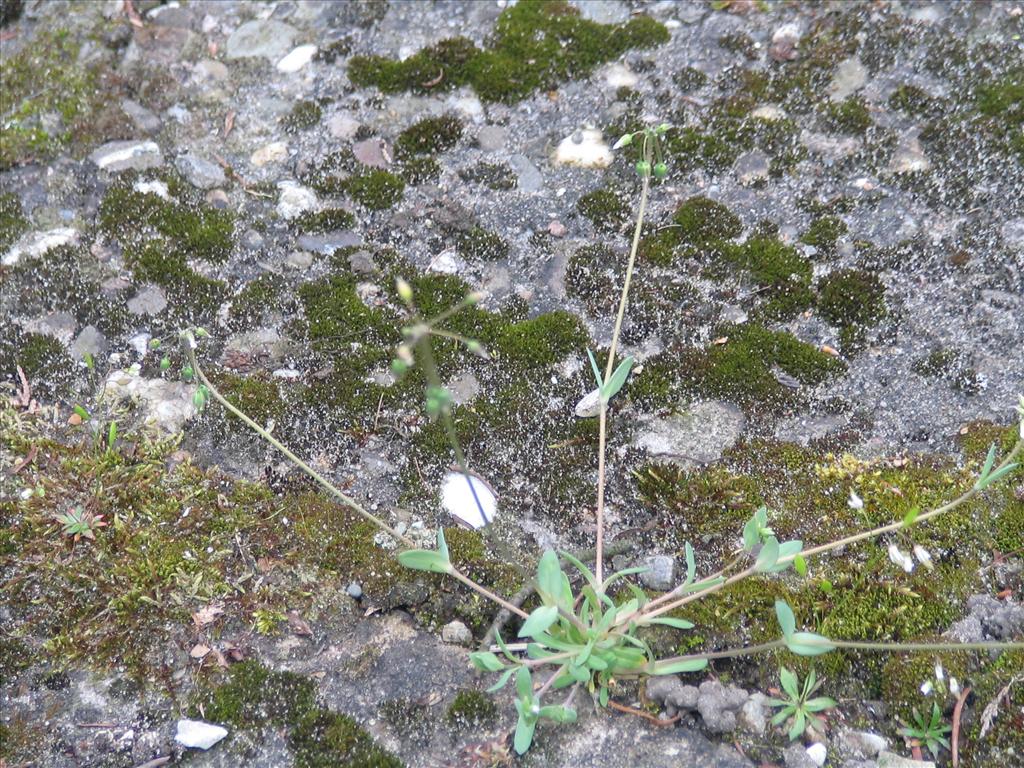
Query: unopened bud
x: 660, y: 170
x: 404, y: 290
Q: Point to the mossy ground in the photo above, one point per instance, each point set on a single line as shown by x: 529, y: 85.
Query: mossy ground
x: 535, y: 45
x: 12, y: 220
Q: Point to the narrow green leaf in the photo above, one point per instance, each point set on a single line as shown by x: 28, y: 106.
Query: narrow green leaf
x: 911, y: 517
x: 587, y: 573
x: 602, y: 696
x: 676, y: 667
x: 674, y: 623
x: 558, y: 713
x: 790, y: 683
x: 549, y: 578
x: 990, y: 460
x: 997, y: 475
x: 701, y: 585
x: 751, y: 538
x: 442, y: 545
x: 539, y: 621
x: 486, y: 661
x: 595, y: 369
x: 820, y: 703
x: 424, y: 560
x: 799, y: 724
x: 578, y: 673
x: 596, y: 662
x: 82, y: 413
x: 524, y: 734
x: 112, y: 434
x: 808, y: 644
x: 502, y: 680
x: 691, y: 564
x: 524, y: 684
x: 618, y: 378
x: 623, y: 574
x: 787, y: 620
x: 504, y: 648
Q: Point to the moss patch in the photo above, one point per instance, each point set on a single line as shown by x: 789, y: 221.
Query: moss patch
x: 496, y: 176
x: 12, y: 220
x: 481, y: 244
x: 591, y: 277
x: 823, y: 234
x: 606, y: 209
x: 325, y: 739
x: 305, y: 114
x: 849, y: 116
x: 852, y: 299
x: 378, y: 190
x: 328, y: 220
x: 535, y: 45
x: 429, y: 136
x: 471, y: 708
x: 701, y: 221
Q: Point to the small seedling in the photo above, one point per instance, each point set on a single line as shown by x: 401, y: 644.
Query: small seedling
x: 930, y: 733
x: 798, y: 707
x: 79, y: 523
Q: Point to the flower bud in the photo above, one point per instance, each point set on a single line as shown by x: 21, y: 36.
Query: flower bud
x: 165, y: 364
x: 643, y: 168
x: 660, y: 170
x: 404, y: 290
x: 624, y: 141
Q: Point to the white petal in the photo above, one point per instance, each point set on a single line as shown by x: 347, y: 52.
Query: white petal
x: 954, y: 686
x: 855, y: 501
x: 925, y: 557
x: 940, y: 673
x: 472, y: 503
x: 926, y: 687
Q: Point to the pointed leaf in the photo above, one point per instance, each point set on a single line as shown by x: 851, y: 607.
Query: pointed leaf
x: 750, y: 535
x: 539, y: 621
x: 622, y: 574
x: 617, y: 379
x: 524, y: 684
x: 587, y: 573
x: 504, y: 648
x: 424, y: 560
x: 790, y: 683
x: 768, y: 555
x: 996, y: 476
x: 691, y: 564
x: 787, y: 551
x: 670, y: 622
x: 786, y: 618
x: 486, y: 661
x: 524, y: 735
x: 595, y: 369
x: 502, y: 680
x: 989, y: 461
x: 911, y: 517
x: 819, y: 703
x: 675, y: 667
x: 800, y: 565
x: 549, y: 577
x: 799, y: 723
x: 808, y: 644
x: 559, y: 714
x: 442, y: 545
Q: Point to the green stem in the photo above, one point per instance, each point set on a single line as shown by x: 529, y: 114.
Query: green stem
x: 603, y: 414
x: 487, y: 593
x: 348, y: 501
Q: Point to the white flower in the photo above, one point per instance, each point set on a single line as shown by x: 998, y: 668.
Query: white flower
x: 899, y: 558
x: 940, y: 673
x: 954, y: 686
x: 855, y: 501
x: 925, y: 557
x: 926, y: 687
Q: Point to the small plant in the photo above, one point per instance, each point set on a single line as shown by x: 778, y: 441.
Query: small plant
x: 581, y: 637
x: 79, y: 523
x: 799, y: 708
x: 930, y: 733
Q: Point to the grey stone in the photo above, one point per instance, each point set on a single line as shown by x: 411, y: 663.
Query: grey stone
x: 299, y: 260
x: 849, y: 77
x: 909, y: 156
x: 328, y: 243
x: 115, y: 156
x: 456, y: 633
x: 491, y: 138
x: 59, y: 325
x: 361, y: 262
x: 862, y: 743
x: 661, y: 572
x: 530, y: 179
x: 266, y: 38
x: 342, y: 126
x: 694, y: 437
x: 199, y: 171
x: 803, y: 429
x: 755, y: 714
x: 751, y: 167
x: 463, y: 388
x: 35, y: 244
x: 294, y: 199
x: 354, y: 590
x: 795, y: 756
x: 150, y: 300
x: 892, y: 760
x: 252, y: 240
x: 670, y: 692
x: 372, y: 152
x: 719, y: 705
x: 1012, y: 233
x: 145, y: 120
x: 89, y: 341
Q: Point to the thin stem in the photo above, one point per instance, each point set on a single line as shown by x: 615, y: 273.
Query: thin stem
x: 488, y: 594
x: 603, y: 414
x: 546, y: 660
x: 324, y: 483
x: 547, y: 684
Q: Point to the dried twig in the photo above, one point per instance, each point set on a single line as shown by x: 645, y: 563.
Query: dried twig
x: 957, y: 711
x: 132, y: 14
x: 992, y: 708
x: 645, y: 715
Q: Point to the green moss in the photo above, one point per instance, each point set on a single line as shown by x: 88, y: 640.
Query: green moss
x: 848, y: 116
x: 12, y: 220
x: 376, y: 189
x: 701, y: 221
x: 496, y: 176
x: 328, y: 220
x: 420, y: 170
x: 689, y: 79
x: 544, y: 340
x: 74, y: 110
x: 305, y: 114
x: 193, y: 295
x: 471, y: 708
x: 47, y: 365
x: 741, y: 369
x: 535, y: 45
x: 482, y: 244
x: 1003, y: 99
x: 325, y: 739
x: 429, y: 136
x: 606, y: 209
x: 911, y: 99
x: 258, y: 396
x: 779, y: 268
x: 850, y: 297
x: 951, y: 366
x: 253, y: 695
x: 823, y: 233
